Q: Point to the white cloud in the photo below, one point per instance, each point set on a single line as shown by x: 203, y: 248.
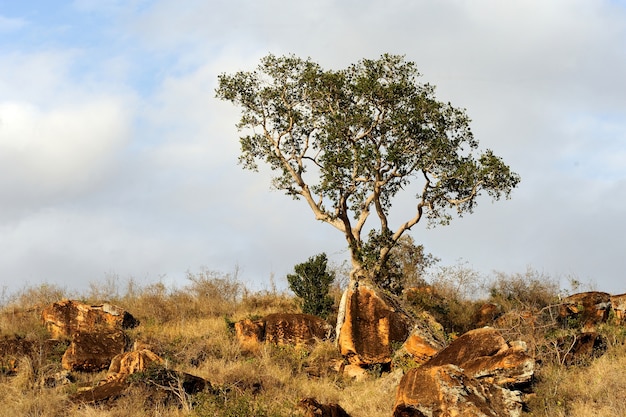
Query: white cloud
x: 48, y: 154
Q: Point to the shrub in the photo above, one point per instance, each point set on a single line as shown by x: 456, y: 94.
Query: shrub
x: 311, y: 284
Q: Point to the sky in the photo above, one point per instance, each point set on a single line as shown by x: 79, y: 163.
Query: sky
x: 117, y: 160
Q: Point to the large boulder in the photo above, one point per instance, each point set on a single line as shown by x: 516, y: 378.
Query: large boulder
x: 447, y: 391
x: 476, y: 375
x: 426, y: 339
x: 618, y: 303
x: 128, y: 363
x: 64, y: 318
x: 484, y: 354
x: 93, y: 352
x: 586, y: 309
x: 296, y: 329
x: 370, y: 323
x: 282, y: 329
x: 250, y: 333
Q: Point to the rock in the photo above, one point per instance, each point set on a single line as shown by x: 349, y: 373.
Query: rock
x: 487, y: 314
x: 282, y: 329
x: 97, y: 394
x: 57, y: 379
x: 581, y: 347
x: 296, y: 329
x: 474, y: 344
x: 92, y: 352
x: 427, y: 338
x: 355, y: 372
x: 485, y: 355
x: 315, y: 409
x: 369, y: 324
x: 67, y: 317
x: 128, y: 363
x: 250, y: 334
x: 446, y: 391
x: 14, y: 347
x: 618, y: 303
x: 587, y: 309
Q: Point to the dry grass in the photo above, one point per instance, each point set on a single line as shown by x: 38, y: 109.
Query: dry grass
x: 191, y: 329
x: 596, y: 390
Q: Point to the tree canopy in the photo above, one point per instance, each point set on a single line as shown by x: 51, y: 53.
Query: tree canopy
x: 349, y: 141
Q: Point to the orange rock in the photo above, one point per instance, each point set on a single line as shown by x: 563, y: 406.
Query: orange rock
x: 128, y: 363
x: 250, y: 334
x: 589, y: 308
x: 420, y: 349
x: 355, y: 372
x: 477, y: 343
x: 485, y: 355
x: 446, y: 391
x: 296, y: 329
x: 618, y: 303
x: 93, y: 352
x: 282, y: 329
x: 371, y: 324
x: 67, y: 317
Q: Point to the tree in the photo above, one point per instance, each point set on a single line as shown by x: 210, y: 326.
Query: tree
x: 406, y: 266
x: 311, y: 283
x: 349, y: 141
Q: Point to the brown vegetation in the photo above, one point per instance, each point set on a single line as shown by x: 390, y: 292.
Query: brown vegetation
x: 192, y: 330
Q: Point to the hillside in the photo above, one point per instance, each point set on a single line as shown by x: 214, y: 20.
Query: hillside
x: 193, y: 331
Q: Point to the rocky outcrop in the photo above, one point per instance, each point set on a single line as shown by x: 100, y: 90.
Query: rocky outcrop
x: 370, y: 324
x: 484, y: 354
x: 14, y: 347
x: 128, y: 363
x: 477, y: 375
x: 296, y: 329
x: 447, y: 391
x: 155, y: 376
x: 427, y: 338
x: 282, y: 329
x: 586, y: 309
x: 64, y: 318
x: 618, y: 304
x: 93, y: 351
x: 314, y: 408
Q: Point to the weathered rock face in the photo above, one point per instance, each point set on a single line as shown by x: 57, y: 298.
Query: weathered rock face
x: 250, y: 334
x: 370, y: 325
x: 313, y: 408
x: 474, y: 344
x: 296, y: 329
x: 67, y: 317
x: 475, y: 376
x: 282, y: 329
x: 128, y: 363
x: 13, y: 348
x: 446, y: 391
x: 92, y: 352
x: 485, y: 355
x: 618, y: 303
x: 427, y: 338
x: 589, y: 308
